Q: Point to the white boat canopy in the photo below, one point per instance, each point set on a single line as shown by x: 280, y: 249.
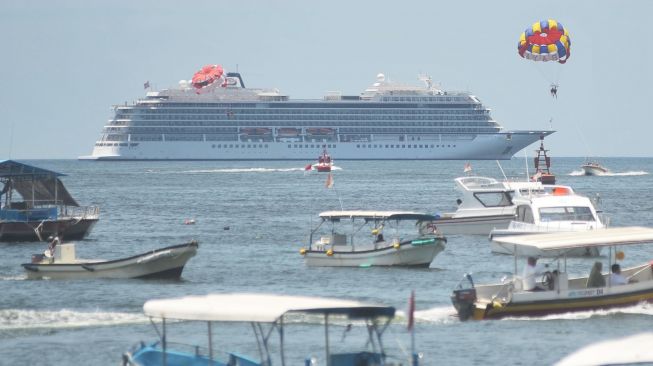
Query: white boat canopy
x: 261, y: 308
x: 562, y: 241
x: 635, y: 349
x: 376, y: 215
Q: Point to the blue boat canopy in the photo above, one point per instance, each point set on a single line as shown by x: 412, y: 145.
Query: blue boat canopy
x: 34, y: 183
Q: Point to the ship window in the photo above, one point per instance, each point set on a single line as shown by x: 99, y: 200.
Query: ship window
x: 403, y: 146
x: 289, y: 145
x: 305, y: 145
x: 231, y: 145
x: 375, y: 145
x: 570, y: 213
x: 493, y: 199
x: 420, y: 146
x: 358, y: 146
x: 448, y: 145
x: 334, y: 146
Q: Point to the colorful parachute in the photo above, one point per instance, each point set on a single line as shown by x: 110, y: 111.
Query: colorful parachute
x: 547, y: 40
x: 207, y: 75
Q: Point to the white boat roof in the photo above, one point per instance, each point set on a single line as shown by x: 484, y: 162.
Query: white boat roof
x: 635, y: 349
x: 389, y: 215
x: 263, y: 308
x: 531, y: 244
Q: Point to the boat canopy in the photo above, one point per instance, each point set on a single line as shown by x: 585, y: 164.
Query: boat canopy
x: 261, y: 308
x: 538, y: 243
x: 376, y: 215
x: 34, y: 184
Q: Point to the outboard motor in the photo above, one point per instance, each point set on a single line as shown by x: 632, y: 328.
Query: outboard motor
x: 464, y: 297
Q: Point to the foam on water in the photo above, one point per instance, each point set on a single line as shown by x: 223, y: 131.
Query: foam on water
x: 12, y: 319
x: 443, y: 314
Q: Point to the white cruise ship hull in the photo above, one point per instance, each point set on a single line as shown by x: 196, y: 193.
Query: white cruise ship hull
x: 500, y: 146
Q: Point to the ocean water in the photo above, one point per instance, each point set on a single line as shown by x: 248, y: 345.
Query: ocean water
x: 268, y: 208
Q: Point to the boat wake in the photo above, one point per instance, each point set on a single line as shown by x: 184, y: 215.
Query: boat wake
x: 15, y: 319
x: 243, y: 170
x: 612, y: 174
x: 439, y: 315
x: 639, y: 309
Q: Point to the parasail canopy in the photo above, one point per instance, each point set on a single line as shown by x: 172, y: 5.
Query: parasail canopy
x: 545, y: 41
x: 207, y: 75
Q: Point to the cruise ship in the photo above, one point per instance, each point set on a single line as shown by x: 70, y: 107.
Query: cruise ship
x: 221, y: 119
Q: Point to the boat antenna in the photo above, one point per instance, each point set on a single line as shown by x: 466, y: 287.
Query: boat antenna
x: 502, y: 172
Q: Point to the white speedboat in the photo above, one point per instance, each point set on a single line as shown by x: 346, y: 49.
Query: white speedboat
x: 555, y: 209
x: 267, y: 315
x: 166, y: 262
x: 594, y: 168
x: 486, y: 204
x: 373, y: 238
x: 557, y: 292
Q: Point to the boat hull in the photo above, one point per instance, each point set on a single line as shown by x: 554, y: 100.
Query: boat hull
x: 70, y: 229
x: 477, y: 225
x: 500, y: 146
x: 558, y: 306
x: 594, y: 170
x: 166, y: 262
x: 406, y: 255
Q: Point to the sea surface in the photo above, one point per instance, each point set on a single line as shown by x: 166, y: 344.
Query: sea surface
x: 268, y: 208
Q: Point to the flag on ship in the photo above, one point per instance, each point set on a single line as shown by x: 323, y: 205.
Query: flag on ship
x: 146, y: 84
x: 329, y: 181
x: 468, y: 167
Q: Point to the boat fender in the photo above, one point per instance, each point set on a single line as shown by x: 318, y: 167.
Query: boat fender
x: 396, y: 246
x: 496, y: 304
x: 329, y: 252
x: 302, y: 251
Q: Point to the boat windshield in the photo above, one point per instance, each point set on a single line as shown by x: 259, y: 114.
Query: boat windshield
x: 494, y: 199
x: 566, y: 213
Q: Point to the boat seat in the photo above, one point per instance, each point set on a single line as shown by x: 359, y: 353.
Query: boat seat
x: 596, y: 278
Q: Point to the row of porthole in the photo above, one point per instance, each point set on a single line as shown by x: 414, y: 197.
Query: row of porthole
x: 225, y: 146
x: 403, y: 146
x: 313, y: 146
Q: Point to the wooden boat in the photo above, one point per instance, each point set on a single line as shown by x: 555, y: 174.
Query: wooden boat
x: 267, y: 315
x: 561, y: 294
x: 62, y: 263
x: 35, y: 204
x: 356, y: 239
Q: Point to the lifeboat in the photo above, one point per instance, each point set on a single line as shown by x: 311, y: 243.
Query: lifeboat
x: 319, y: 131
x: 287, y: 132
x: 254, y: 131
x: 207, y: 76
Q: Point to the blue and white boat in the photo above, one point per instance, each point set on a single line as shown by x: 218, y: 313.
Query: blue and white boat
x: 266, y: 314
x: 35, y: 204
x: 227, y: 121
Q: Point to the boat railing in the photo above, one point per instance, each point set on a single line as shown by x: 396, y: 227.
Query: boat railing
x: 231, y: 358
x: 46, y: 210
x: 554, y: 226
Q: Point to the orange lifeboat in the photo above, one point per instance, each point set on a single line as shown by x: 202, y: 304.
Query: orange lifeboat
x: 207, y: 75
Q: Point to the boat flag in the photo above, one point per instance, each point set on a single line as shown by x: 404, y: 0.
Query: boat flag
x: 146, y: 84
x: 468, y: 167
x: 411, y: 310
x: 329, y: 181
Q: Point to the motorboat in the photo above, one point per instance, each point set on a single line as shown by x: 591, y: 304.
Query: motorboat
x: 266, y: 314
x: 594, y: 168
x: 486, y: 204
x: 35, y: 204
x: 557, y: 292
x: 373, y: 238
x: 61, y: 262
x: 542, y: 163
x: 631, y: 350
x: 324, y: 162
x: 556, y: 209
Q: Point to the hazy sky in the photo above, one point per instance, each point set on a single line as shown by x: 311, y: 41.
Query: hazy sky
x: 65, y: 63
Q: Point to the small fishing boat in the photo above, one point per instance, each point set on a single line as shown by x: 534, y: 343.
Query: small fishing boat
x: 594, y: 168
x: 324, y: 162
x: 35, y: 204
x: 267, y: 315
x: 555, y: 292
x: 356, y: 239
x: 60, y: 262
x: 556, y: 209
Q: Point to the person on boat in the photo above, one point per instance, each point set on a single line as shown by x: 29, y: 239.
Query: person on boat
x: 54, y: 241
x: 596, y: 278
x: 616, y: 278
x: 379, y: 238
x: 531, y: 272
